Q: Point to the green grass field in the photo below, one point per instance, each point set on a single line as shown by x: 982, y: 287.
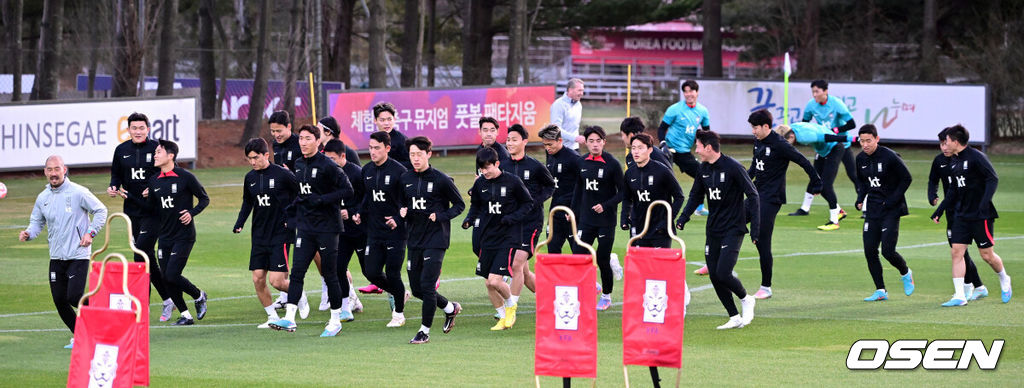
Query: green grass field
x: 800, y: 337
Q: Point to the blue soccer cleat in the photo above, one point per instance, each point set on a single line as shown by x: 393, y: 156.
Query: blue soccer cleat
x: 346, y: 316
x: 954, y: 302
x: 877, y: 296
x: 979, y: 292
x: 1007, y: 295
x: 908, y: 282
x: 604, y: 304
x: 331, y: 330
x: 284, y: 324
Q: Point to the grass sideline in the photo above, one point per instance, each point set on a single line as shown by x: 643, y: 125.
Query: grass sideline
x: 800, y: 337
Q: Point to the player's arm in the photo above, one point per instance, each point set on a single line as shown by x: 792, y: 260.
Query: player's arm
x: 243, y: 213
x: 662, y: 131
x: 705, y: 120
x: 948, y: 200
x: 576, y: 204
x: 807, y: 111
x: 844, y: 116
x: 863, y: 180
x: 97, y: 209
x: 795, y: 156
x: 696, y: 198
x: 115, y: 172
x: 670, y: 184
x: 933, y: 181
x: 991, y: 181
x: 620, y: 186
x: 341, y: 187
x: 35, y: 223
x: 752, y: 204
x: 474, y: 206
x: 627, y: 207
x: 452, y: 195
x: 524, y: 203
x: 900, y: 168
x: 200, y: 193
x: 147, y: 202
x: 547, y: 185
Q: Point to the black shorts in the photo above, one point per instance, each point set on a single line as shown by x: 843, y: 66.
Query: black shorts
x: 494, y: 261
x: 686, y: 162
x: 273, y: 258
x: 528, y: 239
x: 982, y: 232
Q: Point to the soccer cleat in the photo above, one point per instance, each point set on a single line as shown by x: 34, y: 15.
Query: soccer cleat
x: 842, y: 214
x: 371, y: 289
x: 954, y: 302
x: 878, y: 295
x: 201, y: 305
x: 616, y: 266
x: 979, y: 292
x: 1006, y: 296
x: 510, y: 315
x: 284, y: 324
x: 497, y: 316
x: 604, y: 303
x: 303, y: 306
x: 168, y: 309
x: 829, y: 226
x: 70, y: 345
x: 420, y: 338
x: 184, y: 322
x: 734, y: 322
x: 357, y: 305
x: 763, y: 293
x: 331, y: 330
x: 325, y: 303
x: 908, y: 282
x: 747, y: 306
x: 703, y: 271
x: 346, y: 316
x: 266, y: 325
x: 280, y: 302
x: 397, y: 320
x: 799, y: 212
x: 500, y: 325
x: 449, y: 319
x: 968, y: 291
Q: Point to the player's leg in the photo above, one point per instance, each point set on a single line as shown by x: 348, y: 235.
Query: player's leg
x: 144, y: 230
x: 974, y: 288
x: 59, y: 292
x: 872, y: 238
x: 327, y: 247
x: 345, y: 250
x: 984, y: 232
x: 183, y: 250
x: 728, y: 256
x: 359, y: 245
x: 305, y: 249
x: 164, y: 255
x: 605, y: 241
x: 500, y: 264
x: 805, y: 206
x: 712, y: 250
x: 394, y: 258
x: 259, y: 281
x: 890, y: 237
x: 764, y: 248
x: 830, y: 168
x: 851, y: 167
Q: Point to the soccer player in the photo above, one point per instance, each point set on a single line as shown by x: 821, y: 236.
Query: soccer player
x: 322, y: 186
x: 562, y: 163
x: 599, y: 189
x: 498, y: 204
x: 831, y: 113
x: 971, y: 198
x: 828, y: 156
x: 489, y: 137
x: 171, y: 193
x: 267, y: 191
x: 632, y: 126
x: 429, y: 203
x: 884, y: 181
x: 330, y: 131
x: 772, y: 155
x: 69, y: 234
x: 647, y: 181
x: 724, y: 182
x: 974, y: 289
x: 353, y: 237
x: 567, y: 112
x: 130, y: 170
x: 384, y: 116
x: 681, y: 122
x: 286, y: 143
x: 541, y: 185
x: 386, y: 232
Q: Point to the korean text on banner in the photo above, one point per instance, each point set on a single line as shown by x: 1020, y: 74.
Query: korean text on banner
x: 566, y: 338
x: 653, y: 307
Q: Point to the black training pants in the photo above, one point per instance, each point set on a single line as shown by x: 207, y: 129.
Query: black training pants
x: 144, y: 229
x: 307, y: 245
x: 173, y: 258
x: 561, y: 232
x: 721, y: 253
x: 827, y: 168
x: 384, y: 268
x: 884, y: 231
x: 424, y: 270
x: 605, y: 237
x: 764, y: 242
x: 67, y: 284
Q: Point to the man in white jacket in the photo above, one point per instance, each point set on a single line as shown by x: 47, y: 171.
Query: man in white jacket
x: 64, y: 207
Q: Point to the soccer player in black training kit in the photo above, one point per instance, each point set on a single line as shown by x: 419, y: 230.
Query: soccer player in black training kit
x: 353, y: 237
x: 562, y: 162
x: 384, y: 116
x: 429, y: 203
x: 647, y: 181
x: 541, y: 185
x: 386, y: 233
x: 329, y: 131
x: 286, y: 143
x: 489, y: 137
x: 724, y: 181
x: 130, y: 170
x: 941, y: 169
x: 498, y: 204
x: 772, y: 155
x: 884, y: 181
x: 599, y: 189
x: 322, y: 186
x: 170, y: 193
x: 632, y: 126
x: 267, y: 191
x: 970, y: 196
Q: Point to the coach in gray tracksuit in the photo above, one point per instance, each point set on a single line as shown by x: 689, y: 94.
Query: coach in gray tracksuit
x: 65, y: 206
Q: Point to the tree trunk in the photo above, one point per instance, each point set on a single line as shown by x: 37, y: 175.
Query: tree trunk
x: 929, y: 66
x: 165, y: 57
x: 94, y: 59
x: 243, y: 53
x: 259, y: 88
x: 296, y: 39
x: 410, y: 36
x: 526, y: 42
x: 808, y: 48
x: 226, y: 45
x: 712, y: 41
x: 14, y: 15
x: 477, y: 37
x: 343, y: 43
x: 207, y: 68
x: 378, y: 49
x: 516, y: 32
x: 127, y: 51
x: 431, y: 55
x: 49, y: 58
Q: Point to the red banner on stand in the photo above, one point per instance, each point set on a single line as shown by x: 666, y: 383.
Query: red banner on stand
x: 110, y: 295
x: 653, y: 307
x: 104, y: 353
x: 566, y: 338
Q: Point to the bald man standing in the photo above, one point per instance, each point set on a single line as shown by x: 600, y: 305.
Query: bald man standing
x: 64, y: 207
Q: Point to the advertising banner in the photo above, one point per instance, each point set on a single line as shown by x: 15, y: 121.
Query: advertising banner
x: 566, y: 336
x: 86, y: 133
x: 653, y: 307
x: 908, y: 113
x: 447, y: 116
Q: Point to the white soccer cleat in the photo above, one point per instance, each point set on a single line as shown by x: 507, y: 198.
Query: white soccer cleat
x: 303, y: 306
x: 735, y: 322
x: 266, y: 325
x: 747, y: 305
x: 397, y: 320
x: 280, y: 302
x: 357, y: 305
x: 616, y: 266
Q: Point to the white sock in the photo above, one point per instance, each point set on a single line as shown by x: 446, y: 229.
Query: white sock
x: 335, y: 317
x: 397, y: 315
x: 606, y: 296
x: 424, y: 329
x: 186, y: 315
x: 958, y: 288
x: 271, y: 312
x: 968, y: 289
x: 168, y: 301
x: 501, y: 312
x: 880, y: 289
x: 766, y: 289
x: 1004, y: 280
x: 808, y: 198
x: 289, y: 311
x: 346, y: 305
x: 509, y: 303
x: 449, y: 308
x: 283, y: 296
x: 323, y: 285
x: 514, y: 299
x: 833, y: 215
